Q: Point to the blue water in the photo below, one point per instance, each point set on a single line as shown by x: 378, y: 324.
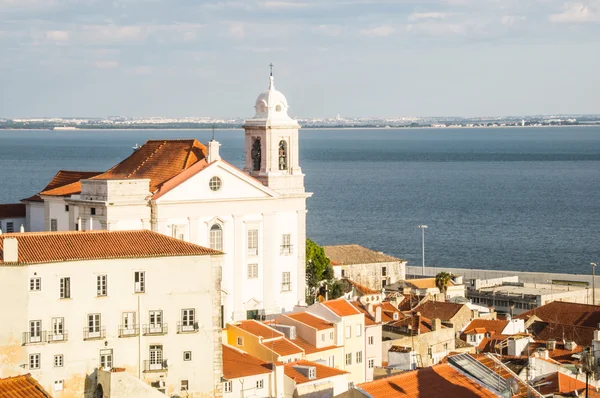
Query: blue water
x: 522, y: 199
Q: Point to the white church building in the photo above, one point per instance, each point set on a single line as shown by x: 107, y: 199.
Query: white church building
x: 184, y: 189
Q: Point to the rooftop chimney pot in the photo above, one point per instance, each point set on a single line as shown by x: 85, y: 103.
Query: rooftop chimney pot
x: 10, y: 250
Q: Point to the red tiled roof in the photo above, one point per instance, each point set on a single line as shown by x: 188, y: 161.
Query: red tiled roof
x: 425, y: 325
x: 484, y: 326
x: 341, y: 307
x: 12, y: 210
x: 283, y: 347
x: 65, y: 178
x: 559, y: 383
x: 258, y: 329
x: 436, y: 381
x: 309, y: 348
x: 310, y: 320
x: 559, y: 353
x: 566, y: 314
x: 582, y: 335
x: 49, y: 247
x: 323, y: 372
x: 157, y: 160
x: 238, y: 364
x: 439, y: 309
x: 23, y: 386
x: 388, y: 311
x: 363, y: 290
x: 356, y: 254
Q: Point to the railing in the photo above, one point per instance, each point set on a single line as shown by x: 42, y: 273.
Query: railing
x: 187, y: 328
x: 286, y: 250
x: 34, y: 338
x: 58, y: 337
x: 129, y: 331
x: 286, y: 286
x: 98, y: 333
x: 155, y: 329
x: 155, y: 366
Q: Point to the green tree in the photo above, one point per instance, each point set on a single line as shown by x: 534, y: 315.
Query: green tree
x: 442, y: 280
x: 319, y: 274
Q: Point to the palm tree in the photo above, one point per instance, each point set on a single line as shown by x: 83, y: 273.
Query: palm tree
x: 442, y: 280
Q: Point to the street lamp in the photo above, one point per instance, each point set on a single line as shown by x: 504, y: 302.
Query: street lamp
x: 423, y: 228
x: 594, y: 265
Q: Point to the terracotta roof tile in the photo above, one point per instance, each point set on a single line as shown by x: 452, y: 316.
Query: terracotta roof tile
x: 484, y: 326
x: 64, y: 183
x: 323, y: 372
x: 582, y: 335
x: 436, y: 381
x: 238, y: 364
x: 23, y: 386
x: 566, y: 313
x: 309, y: 348
x: 425, y: 325
x: 310, y: 320
x: 439, y: 309
x: 258, y: 329
x: 283, y: 347
x: 362, y: 289
x: 49, y: 247
x: 559, y: 353
x: 341, y: 307
x: 425, y: 283
x: 157, y: 160
x: 356, y: 254
x: 12, y: 210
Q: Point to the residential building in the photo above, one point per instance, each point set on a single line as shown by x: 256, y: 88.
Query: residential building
x: 423, y: 287
x: 456, y: 316
x: 23, y: 386
x: 311, y: 379
x: 184, y: 189
x: 372, y: 269
x: 497, y: 336
x: 12, y: 217
x: 373, y: 313
x: 138, y: 300
x: 247, y: 376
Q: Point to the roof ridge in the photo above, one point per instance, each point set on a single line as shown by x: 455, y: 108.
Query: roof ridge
x: 164, y: 142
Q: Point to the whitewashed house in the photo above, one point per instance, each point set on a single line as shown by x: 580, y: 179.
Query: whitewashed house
x: 12, y: 217
x: 75, y: 302
x: 183, y: 189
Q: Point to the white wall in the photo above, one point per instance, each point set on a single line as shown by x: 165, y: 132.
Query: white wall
x: 16, y: 221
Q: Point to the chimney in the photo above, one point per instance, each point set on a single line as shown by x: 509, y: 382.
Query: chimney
x: 10, y: 250
x: 91, y: 228
x: 551, y: 345
x: 79, y: 224
x: 213, y: 151
x: 370, y: 310
x: 22, y: 228
x: 570, y: 345
x: 378, y: 314
x: 436, y: 324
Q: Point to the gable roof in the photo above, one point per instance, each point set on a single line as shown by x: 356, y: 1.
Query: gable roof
x: 65, y: 182
x: 566, y: 313
x: 439, y: 309
x: 23, y: 386
x: 282, y: 346
x: 322, y: 371
x: 479, y: 326
x: 436, y: 381
x: 258, y: 329
x: 12, y: 210
x: 416, y: 322
x: 309, y: 348
x: 581, y: 335
x: 310, y: 320
x: 355, y: 254
x: 238, y: 364
x: 50, y: 247
x: 341, y: 307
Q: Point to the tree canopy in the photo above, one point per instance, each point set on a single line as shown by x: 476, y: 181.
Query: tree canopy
x: 319, y: 274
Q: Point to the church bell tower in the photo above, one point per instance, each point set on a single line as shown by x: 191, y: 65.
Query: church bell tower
x: 272, y: 143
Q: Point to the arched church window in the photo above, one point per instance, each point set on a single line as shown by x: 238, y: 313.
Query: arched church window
x: 216, y: 237
x: 256, y: 155
x: 283, y: 155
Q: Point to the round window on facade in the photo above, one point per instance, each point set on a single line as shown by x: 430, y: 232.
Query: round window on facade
x: 215, y: 184
x: 278, y: 108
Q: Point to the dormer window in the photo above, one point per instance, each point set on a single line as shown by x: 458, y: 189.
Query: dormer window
x: 395, y: 316
x: 312, y: 373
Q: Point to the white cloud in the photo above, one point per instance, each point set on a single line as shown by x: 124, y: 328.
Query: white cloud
x: 378, y: 31
x: 578, y: 12
x: 428, y: 15
x: 57, y: 35
x: 237, y: 30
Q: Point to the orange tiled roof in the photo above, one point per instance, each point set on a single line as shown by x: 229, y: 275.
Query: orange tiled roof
x: 483, y: 326
x: 436, y: 381
x: 238, y: 364
x: 23, y: 386
x: 341, y: 307
x: 356, y: 254
x: 49, y: 247
x: 425, y: 325
x: 439, y: 309
x: 258, y: 329
x: 12, y: 210
x: 566, y: 314
x: 157, y: 160
x: 283, y: 347
x: 323, y: 372
x: 559, y: 353
x: 310, y: 320
x: 425, y: 283
x: 67, y: 180
x: 309, y: 348
x: 388, y: 311
x: 559, y: 382
x: 362, y: 289
x: 582, y: 335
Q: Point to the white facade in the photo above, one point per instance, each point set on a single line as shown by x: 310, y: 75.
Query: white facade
x: 125, y: 332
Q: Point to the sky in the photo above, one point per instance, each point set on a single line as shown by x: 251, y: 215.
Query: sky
x: 380, y: 58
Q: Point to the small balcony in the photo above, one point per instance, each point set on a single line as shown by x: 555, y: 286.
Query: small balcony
x: 58, y: 337
x: 286, y: 250
x: 155, y: 366
x: 286, y: 286
x: 155, y: 329
x: 34, y: 338
x: 94, y: 334
x: 187, y: 327
x: 129, y: 330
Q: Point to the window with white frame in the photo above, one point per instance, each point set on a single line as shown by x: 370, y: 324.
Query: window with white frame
x: 348, y: 332
x: 35, y: 284
x: 187, y: 355
x: 286, y: 244
x: 188, y: 317
x: 252, y: 271
x: 331, y: 361
x: 359, y: 357
x: 58, y: 361
x: 349, y: 358
x: 286, y: 282
x: 322, y: 336
x: 358, y: 330
x: 101, y: 285
x: 371, y: 340
x: 34, y: 361
x: 93, y: 328
x: 53, y: 225
x: 259, y: 384
x: 65, y: 288
x: 215, y: 183
x: 228, y: 386
x: 35, y: 331
x: 156, y: 357
x: 216, y: 237
x: 253, y: 242
x: 10, y: 227
x: 58, y: 330
x: 156, y: 321
x: 128, y: 326
x: 371, y: 363
x: 240, y: 341
x: 330, y: 335
x: 312, y: 373
x: 106, y: 359
x: 139, y: 281
x: 185, y: 385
